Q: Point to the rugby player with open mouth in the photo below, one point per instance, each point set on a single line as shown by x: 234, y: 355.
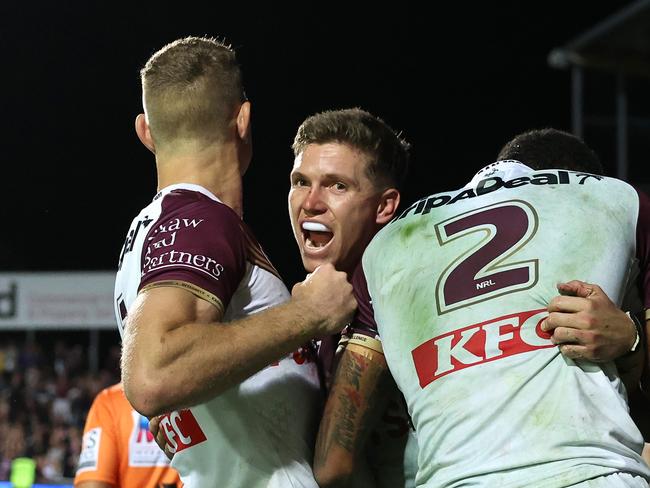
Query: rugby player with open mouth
x: 334, y: 206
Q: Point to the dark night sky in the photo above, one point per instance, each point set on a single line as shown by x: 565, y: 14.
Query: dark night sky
x: 458, y: 81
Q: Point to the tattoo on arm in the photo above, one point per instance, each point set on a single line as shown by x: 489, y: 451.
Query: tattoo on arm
x: 349, y: 415
x: 349, y: 401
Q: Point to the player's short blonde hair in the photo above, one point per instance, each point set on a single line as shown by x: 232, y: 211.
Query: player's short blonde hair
x: 191, y: 89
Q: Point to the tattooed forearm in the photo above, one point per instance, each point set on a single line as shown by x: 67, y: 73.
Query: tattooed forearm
x: 356, y: 388
x: 353, y: 368
x: 343, y: 433
x: 357, y: 399
x: 341, y: 409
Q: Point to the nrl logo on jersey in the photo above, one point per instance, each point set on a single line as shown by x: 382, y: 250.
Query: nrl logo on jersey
x: 480, y: 343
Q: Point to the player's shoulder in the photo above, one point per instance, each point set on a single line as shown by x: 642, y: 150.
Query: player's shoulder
x: 193, y: 210
x: 112, y: 395
x: 193, y: 201
x: 627, y: 195
x: 111, y: 403
x: 114, y: 390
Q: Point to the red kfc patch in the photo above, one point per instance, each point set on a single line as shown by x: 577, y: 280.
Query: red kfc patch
x: 182, y: 430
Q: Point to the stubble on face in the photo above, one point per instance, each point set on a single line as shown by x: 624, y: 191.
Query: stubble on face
x: 332, y: 205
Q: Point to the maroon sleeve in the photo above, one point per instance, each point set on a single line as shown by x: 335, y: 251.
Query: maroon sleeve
x: 364, y: 319
x: 198, y: 241
x: 643, y: 246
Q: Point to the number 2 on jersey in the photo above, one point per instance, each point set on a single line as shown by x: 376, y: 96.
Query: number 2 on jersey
x: 482, y: 272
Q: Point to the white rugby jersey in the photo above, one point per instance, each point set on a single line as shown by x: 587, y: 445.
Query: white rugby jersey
x: 260, y: 433
x: 460, y: 283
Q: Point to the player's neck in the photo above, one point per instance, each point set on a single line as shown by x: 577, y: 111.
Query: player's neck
x: 217, y: 170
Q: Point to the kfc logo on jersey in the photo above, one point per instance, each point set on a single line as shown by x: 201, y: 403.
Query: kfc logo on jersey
x: 480, y: 343
x: 181, y: 430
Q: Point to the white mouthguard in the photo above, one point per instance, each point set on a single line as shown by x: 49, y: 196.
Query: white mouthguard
x: 315, y: 226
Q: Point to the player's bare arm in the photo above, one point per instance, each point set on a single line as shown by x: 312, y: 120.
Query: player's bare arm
x: 181, y: 355
x: 357, y: 398
x: 94, y: 484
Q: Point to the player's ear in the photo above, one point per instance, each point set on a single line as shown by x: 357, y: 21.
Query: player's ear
x: 244, y: 122
x: 388, y: 203
x: 144, y: 134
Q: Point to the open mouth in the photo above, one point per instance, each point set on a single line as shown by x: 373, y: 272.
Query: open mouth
x: 316, y: 235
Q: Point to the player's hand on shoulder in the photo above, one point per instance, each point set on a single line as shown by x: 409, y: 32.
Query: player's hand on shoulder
x: 586, y: 324
x: 327, y: 295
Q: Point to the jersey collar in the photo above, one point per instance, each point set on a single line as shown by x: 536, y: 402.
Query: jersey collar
x: 187, y: 186
x: 506, y: 169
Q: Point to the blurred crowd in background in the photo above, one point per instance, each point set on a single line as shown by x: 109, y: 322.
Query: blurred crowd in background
x: 46, y: 390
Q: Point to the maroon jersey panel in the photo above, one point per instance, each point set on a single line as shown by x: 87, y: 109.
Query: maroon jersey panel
x: 196, y: 240
x: 364, y: 319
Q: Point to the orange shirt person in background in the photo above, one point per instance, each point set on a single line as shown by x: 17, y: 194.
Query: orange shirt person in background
x: 118, y: 449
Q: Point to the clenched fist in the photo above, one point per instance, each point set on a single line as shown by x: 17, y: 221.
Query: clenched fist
x: 327, y: 295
